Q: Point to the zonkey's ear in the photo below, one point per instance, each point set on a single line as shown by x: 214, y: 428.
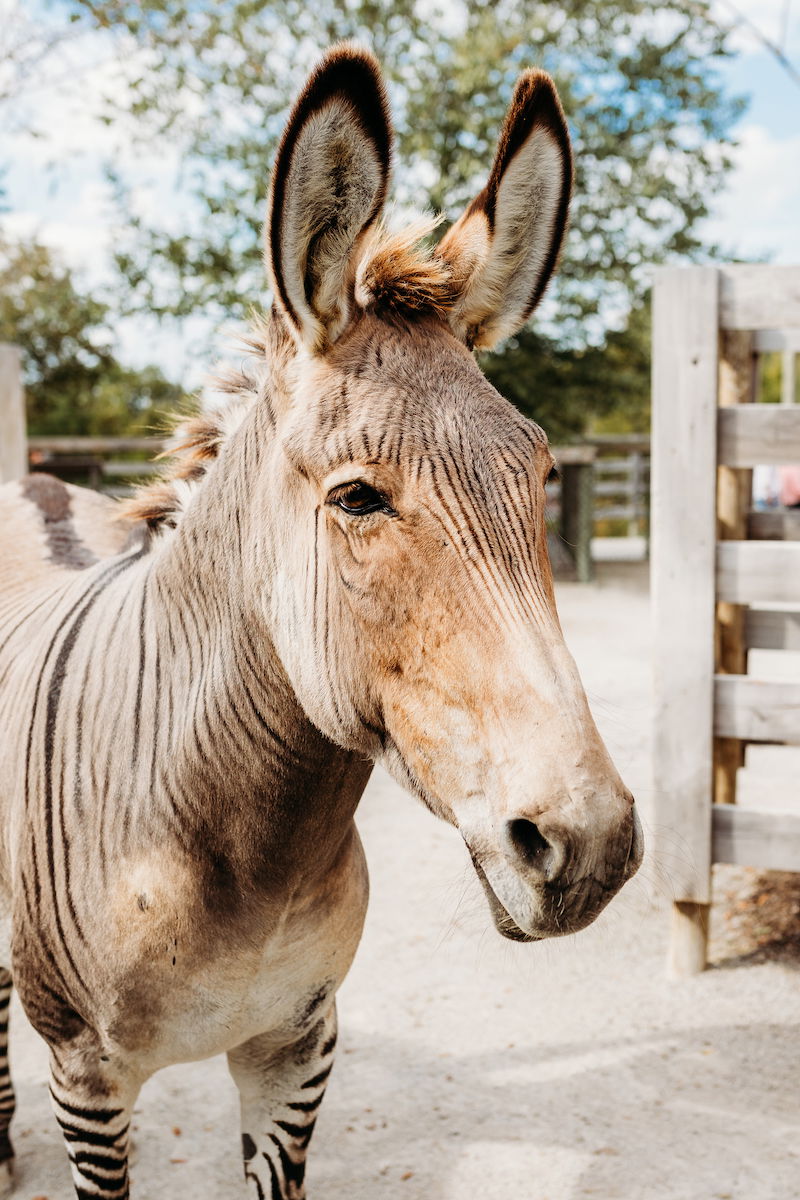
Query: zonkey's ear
x: 328, y: 187
x: 504, y: 248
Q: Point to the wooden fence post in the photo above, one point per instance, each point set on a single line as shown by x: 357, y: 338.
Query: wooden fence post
x: 787, y: 375
x: 684, y: 456
x: 13, y: 445
x: 577, y: 515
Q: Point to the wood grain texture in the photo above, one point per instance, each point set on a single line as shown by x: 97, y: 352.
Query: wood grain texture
x: 97, y: 445
x: 688, y: 939
x: 759, y: 433
x: 788, y: 375
x: 774, y: 525
x: 756, y: 839
x: 734, y: 492
x: 685, y: 362
x: 758, y: 572
x: 769, y: 340
x: 770, y: 629
x: 567, y: 455
x: 759, y: 297
x: 13, y: 449
x: 757, y: 710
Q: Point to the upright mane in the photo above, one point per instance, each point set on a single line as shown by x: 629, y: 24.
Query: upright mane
x: 399, y: 276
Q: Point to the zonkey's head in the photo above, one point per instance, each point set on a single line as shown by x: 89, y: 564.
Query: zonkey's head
x: 411, y: 597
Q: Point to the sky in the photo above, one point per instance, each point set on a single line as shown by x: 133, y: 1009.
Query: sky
x: 55, y: 187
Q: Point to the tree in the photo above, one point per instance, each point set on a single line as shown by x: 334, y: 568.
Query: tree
x: 73, y: 381
x: 29, y: 44
x: 649, y: 118
x: 563, y: 388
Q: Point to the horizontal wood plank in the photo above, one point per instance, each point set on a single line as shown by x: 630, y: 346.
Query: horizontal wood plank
x: 751, y: 434
x: 770, y: 629
x: 118, y: 468
x: 96, y: 445
x: 758, y: 572
x: 757, y: 710
x: 755, y: 839
x: 777, y: 340
x: 574, y: 456
x: 774, y: 525
x: 620, y: 512
x: 758, y: 296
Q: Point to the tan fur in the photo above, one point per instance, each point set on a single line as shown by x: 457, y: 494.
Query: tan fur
x: 398, y: 275
x: 504, y: 249
x: 352, y: 568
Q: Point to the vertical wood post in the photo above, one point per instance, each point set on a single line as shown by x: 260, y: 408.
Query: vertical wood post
x: 787, y: 375
x: 13, y: 443
x: 734, y: 493
x: 684, y: 459
x: 636, y: 488
x: 576, y: 523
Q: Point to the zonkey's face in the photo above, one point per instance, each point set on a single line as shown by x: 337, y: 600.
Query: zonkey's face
x: 422, y: 625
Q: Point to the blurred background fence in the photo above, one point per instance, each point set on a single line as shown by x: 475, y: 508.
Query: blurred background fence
x: 598, y: 507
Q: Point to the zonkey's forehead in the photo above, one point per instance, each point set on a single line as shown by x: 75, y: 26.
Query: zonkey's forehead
x: 394, y: 394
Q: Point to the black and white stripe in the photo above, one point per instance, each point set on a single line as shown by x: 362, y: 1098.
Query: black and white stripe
x: 279, y: 1117
x: 7, y: 1099
x: 97, y: 1144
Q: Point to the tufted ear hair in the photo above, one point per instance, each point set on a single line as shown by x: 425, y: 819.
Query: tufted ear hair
x: 503, y: 250
x: 328, y: 187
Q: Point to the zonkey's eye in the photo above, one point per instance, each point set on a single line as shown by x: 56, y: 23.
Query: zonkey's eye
x: 357, y: 499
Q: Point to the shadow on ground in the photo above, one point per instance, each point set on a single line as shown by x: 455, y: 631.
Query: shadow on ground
x: 539, y: 1126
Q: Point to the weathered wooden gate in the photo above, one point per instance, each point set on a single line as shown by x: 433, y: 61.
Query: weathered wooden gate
x: 725, y: 580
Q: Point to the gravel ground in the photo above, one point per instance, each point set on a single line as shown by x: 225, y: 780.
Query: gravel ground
x: 474, y: 1069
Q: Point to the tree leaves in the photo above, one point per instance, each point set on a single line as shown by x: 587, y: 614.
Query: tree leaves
x: 648, y: 116
x: 651, y: 123
x: 73, y: 382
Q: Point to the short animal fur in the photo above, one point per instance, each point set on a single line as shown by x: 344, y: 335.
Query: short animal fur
x: 345, y: 565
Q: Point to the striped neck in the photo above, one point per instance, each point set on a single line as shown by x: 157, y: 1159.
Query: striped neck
x: 253, y: 783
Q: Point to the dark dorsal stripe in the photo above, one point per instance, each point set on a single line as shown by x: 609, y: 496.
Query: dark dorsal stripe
x: 54, y: 502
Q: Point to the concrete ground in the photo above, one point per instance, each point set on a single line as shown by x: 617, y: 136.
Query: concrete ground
x: 471, y: 1068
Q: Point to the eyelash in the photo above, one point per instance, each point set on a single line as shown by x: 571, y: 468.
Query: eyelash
x: 374, y: 501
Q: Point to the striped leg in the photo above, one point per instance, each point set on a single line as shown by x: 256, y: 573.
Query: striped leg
x: 280, y: 1097
x: 6, y: 1089
x: 94, y: 1120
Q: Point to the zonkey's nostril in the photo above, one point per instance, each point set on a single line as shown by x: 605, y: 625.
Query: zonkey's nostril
x: 531, y: 846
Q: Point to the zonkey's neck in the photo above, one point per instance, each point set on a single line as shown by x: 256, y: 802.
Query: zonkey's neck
x: 254, y: 783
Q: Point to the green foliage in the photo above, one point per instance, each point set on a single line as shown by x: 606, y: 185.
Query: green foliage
x: 563, y: 388
x: 650, y: 122
x: 770, y: 378
x: 73, y: 382
x: 209, y: 84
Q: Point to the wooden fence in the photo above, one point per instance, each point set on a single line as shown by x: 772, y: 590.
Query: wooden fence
x: 604, y: 481
x: 622, y: 482
x: 112, y: 464
x: 725, y: 580
x: 103, y: 463
x: 13, y: 452
x: 590, y: 491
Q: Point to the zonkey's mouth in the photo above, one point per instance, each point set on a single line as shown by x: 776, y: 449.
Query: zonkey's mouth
x: 504, y: 922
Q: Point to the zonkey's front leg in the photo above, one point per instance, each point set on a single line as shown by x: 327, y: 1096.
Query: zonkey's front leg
x: 93, y: 1106
x: 6, y: 1089
x: 281, y: 1092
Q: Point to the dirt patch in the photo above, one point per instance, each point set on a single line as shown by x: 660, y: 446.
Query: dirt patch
x: 755, y: 917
